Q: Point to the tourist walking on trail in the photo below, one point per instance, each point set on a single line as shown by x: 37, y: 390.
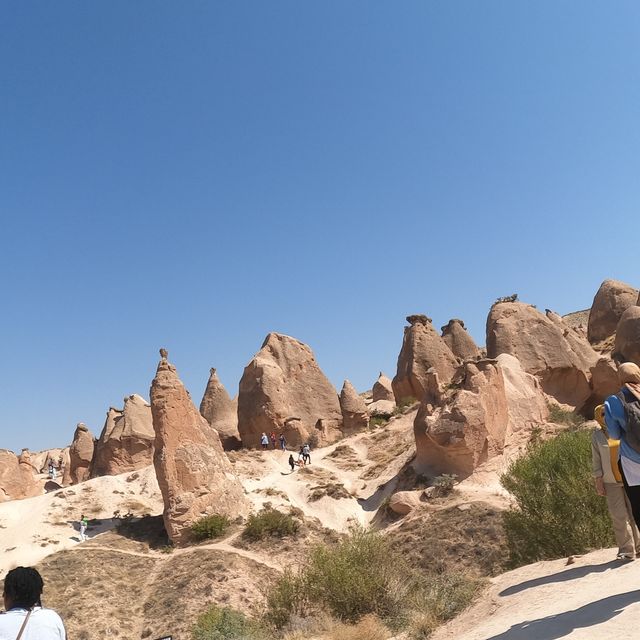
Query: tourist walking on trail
x: 283, y: 442
x: 84, y: 523
x: 622, y: 416
x: 608, y: 483
x: 301, y: 457
x: 273, y: 439
x: 264, y: 441
x: 25, y: 618
x: 306, y: 454
x: 292, y: 463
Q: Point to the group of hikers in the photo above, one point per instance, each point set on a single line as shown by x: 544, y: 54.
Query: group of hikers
x: 304, y: 455
x: 54, y: 469
x: 615, y: 451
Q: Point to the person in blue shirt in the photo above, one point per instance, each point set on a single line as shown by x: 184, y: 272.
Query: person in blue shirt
x: 616, y: 420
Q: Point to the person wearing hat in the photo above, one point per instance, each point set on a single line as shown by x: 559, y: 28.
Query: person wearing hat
x: 608, y: 483
x: 621, y: 414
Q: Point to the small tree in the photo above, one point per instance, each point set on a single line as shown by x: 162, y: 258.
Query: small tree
x: 558, y: 513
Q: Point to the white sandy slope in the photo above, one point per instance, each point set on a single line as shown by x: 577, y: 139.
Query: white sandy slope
x: 32, y: 529
x: 595, y: 597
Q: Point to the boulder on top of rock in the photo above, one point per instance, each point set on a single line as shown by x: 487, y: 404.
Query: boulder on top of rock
x: 422, y: 349
x: 221, y: 412
x: 283, y: 380
x: 382, y: 389
x: 16, y: 478
x: 80, y: 456
x: 195, y: 476
x: 459, y: 341
x: 612, y: 299
x: 126, y: 441
x: 546, y: 347
x: 469, y: 428
x: 355, y: 416
x: 628, y: 335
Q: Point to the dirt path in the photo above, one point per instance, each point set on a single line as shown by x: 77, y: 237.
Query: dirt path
x: 224, y: 545
x: 594, y: 597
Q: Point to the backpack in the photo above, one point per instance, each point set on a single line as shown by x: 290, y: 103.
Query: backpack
x: 632, y: 419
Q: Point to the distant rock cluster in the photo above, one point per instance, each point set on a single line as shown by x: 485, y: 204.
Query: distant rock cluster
x: 476, y: 404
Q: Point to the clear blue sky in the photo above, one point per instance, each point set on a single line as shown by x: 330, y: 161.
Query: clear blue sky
x: 196, y: 174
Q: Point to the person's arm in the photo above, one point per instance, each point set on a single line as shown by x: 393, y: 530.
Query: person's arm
x: 596, y: 464
x: 614, y: 417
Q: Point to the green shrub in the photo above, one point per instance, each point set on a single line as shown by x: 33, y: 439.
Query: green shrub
x: 270, y: 522
x: 558, y: 512
x: 378, y: 421
x: 363, y: 575
x: 210, y: 527
x: 563, y: 416
x: 224, y: 623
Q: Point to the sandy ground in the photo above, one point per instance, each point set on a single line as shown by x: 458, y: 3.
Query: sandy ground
x: 595, y: 597
x: 32, y: 529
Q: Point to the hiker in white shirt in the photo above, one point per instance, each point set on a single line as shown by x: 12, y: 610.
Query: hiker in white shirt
x: 25, y: 618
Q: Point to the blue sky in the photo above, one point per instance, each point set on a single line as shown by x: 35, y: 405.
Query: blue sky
x: 194, y: 175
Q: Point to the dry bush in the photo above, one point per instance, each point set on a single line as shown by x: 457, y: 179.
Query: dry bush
x: 335, y: 490
x: 369, y: 628
x: 472, y: 540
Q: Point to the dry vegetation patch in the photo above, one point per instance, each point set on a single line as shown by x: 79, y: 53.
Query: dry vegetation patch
x: 99, y: 594
x: 471, y: 539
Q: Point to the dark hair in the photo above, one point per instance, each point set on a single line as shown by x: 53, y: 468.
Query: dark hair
x: 23, y: 587
x: 618, y: 358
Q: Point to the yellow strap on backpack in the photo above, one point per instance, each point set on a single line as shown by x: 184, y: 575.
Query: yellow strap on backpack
x: 614, y: 454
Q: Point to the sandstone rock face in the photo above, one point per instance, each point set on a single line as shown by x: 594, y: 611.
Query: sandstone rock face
x: 459, y: 341
x: 404, y: 502
x: 16, y: 478
x: 546, y: 347
x: 40, y: 459
x: 80, y: 456
x: 281, y: 382
x: 628, y: 335
x: 422, y: 349
x: 526, y: 404
x: 355, y: 416
x: 468, y: 429
x: 126, y: 441
x: 195, y: 476
x: 610, y: 302
x: 221, y: 412
x: 494, y: 414
x: 382, y: 389
x: 604, y: 382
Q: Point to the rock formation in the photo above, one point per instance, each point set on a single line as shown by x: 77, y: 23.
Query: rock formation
x: 354, y: 411
x: 382, y: 389
x: 40, y: 459
x: 404, y: 502
x: 546, y: 347
x: 283, y: 381
x: 422, y: 349
x: 628, y: 335
x: 494, y: 412
x: 195, y: 477
x: 80, y: 456
x: 459, y: 341
x: 469, y: 429
x: 221, y: 412
x: 126, y: 441
x: 16, y: 477
x: 612, y: 299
